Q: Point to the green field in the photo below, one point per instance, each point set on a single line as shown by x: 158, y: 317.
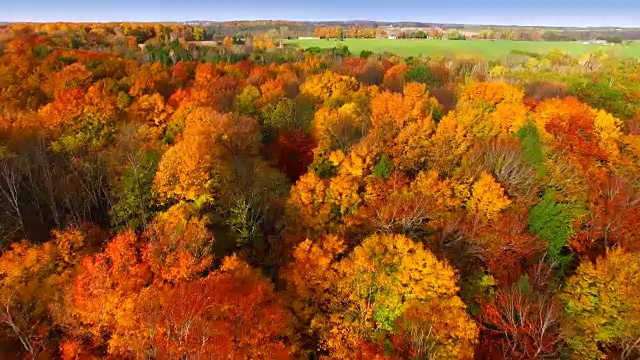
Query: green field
x: 489, y: 49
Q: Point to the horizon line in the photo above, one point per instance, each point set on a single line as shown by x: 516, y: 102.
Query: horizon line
x: 317, y: 21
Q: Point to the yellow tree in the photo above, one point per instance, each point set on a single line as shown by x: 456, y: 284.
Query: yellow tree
x: 392, y: 111
x: 327, y: 197
x: 100, y: 100
x: 343, y: 194
x: 398, y: 205
x: 358, y: 161
x: 330, y: 88
x: 389, y: 283
x: 449, y: 143
x: 151, y: 109
x: 484, y: 110
x: 491, y: 109
x: 403, y: 123
x: 608, y: 129
x: 336, y: 129
x: 310, y: 279
x: 308, y: 201
x: 317, y: 203
x: 602, y: 307
x: 149, y: 79
x: 491, y: 93
x: 487, y: 197
x: 195, y: 166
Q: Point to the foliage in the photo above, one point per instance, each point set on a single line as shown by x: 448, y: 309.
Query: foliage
x: 389, y: 285
x: 33, y: 278
x: 487, y: 197
x: 196, y: 167
x: 531, y: 146
x: 422, y: 74
x: 602, y: 308
x: 601, y: 95
x: 383, y: 168
x: 528, y: 323
x: 163, y: 198
x: 132, y: 209
x: 553, y: 222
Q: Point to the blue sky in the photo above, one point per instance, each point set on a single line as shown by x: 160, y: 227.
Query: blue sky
x: 523, y: 12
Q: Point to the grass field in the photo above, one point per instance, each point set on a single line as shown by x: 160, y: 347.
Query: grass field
x: 486, y: 48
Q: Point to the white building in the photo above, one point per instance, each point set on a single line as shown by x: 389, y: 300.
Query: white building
x: 596, y: 42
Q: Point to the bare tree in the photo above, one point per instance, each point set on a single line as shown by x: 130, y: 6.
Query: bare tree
x: 10, y: 189
x: 24, y: 322
x: 527, y: 324
x: 46, y: 171
x: 630, y: 349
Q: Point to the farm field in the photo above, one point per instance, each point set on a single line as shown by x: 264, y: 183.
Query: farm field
x: 486, y: 48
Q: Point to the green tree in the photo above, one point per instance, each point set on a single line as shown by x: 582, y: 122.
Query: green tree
x: 454, y: 34
x: 134, y: 192
x: 552, y: 221
x: 422, y: 74
x: 602, y: 95
x: 277, y: 117
x: 245, y: 102
x: 531, y: 146
x: 384, y: 167
x: 198, y: 34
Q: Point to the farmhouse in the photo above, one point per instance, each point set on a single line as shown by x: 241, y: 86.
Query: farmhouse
x: 389, y: 32
x: 393, y: 33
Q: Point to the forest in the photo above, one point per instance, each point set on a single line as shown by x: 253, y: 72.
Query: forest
x: 242, y: 201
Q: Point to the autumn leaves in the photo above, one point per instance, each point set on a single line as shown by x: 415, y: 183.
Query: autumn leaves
x: 384, y: 287
x: 318, y: 207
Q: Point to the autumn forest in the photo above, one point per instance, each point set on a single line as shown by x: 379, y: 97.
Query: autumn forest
x: 161, y: 198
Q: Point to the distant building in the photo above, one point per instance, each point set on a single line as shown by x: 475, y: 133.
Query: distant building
x: 388, y: 31
x: 393, y: 33
x: 424, y: 29
x: 596, y: 42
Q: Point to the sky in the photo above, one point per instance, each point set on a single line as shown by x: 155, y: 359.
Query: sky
x: 623, y: 13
